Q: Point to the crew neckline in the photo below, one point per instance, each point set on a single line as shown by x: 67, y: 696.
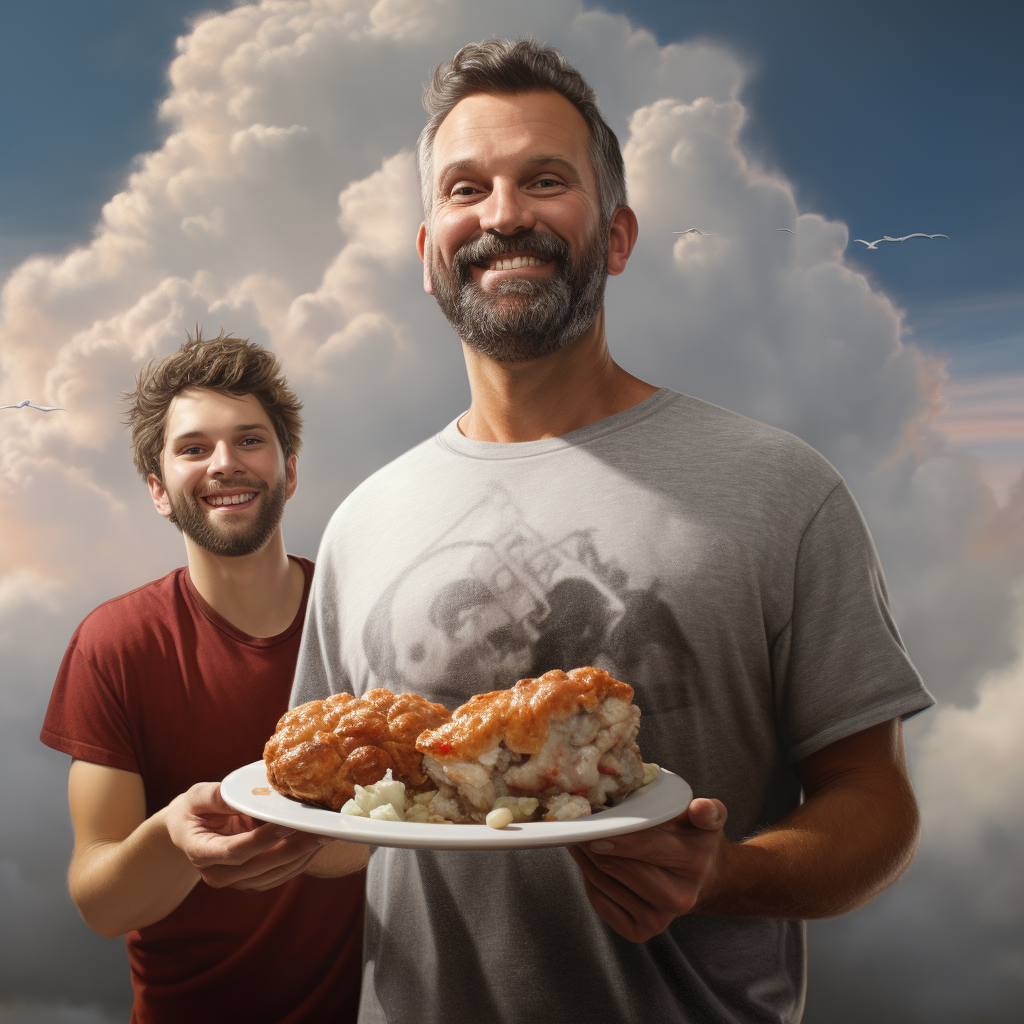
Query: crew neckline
x: 218, y: 620
x: 452, y: 439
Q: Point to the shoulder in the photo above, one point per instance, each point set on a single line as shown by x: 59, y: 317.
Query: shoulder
x: 394, y: 485
x: 737, y: 459
x: 132, y: 614
x: 735, y: 433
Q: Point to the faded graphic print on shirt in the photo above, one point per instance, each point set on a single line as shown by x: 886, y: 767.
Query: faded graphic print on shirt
x: 494, y: 600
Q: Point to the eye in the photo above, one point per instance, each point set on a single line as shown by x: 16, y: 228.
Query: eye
x: 547, y: 183
x: 250, y: 441
x: 464, y: 192
x: 192, y: 449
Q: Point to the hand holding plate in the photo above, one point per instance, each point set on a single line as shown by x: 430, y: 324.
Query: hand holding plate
x: 233, y: 849
x: 640, y: 882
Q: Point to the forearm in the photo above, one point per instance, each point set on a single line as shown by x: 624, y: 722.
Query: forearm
x: 339, y: 858
x: 122, y: 886
x: 833, y: 854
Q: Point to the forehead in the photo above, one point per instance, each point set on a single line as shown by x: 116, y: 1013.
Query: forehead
x: 486, y: 127
x: 205, y: 411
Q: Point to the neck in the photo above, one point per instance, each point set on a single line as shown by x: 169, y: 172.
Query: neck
x: 549, y: 396
x: 259, y: 594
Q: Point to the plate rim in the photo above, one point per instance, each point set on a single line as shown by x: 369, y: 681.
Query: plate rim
x: 528, y: 835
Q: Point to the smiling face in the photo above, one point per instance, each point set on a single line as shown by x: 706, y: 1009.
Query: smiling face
x: 515, y: 253
x: 225, y: 477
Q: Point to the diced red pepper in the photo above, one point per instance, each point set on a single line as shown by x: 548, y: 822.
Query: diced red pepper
x: 444, y: 748
x: 606, y: 770
x: 580, y: 792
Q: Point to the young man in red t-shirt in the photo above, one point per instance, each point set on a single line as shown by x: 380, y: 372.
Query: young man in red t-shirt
x: 166, y: 689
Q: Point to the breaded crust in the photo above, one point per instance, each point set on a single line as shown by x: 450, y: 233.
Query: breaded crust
x: 323, y: 749
x: 520, y: 716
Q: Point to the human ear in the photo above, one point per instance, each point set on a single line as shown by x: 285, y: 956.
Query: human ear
x: 421, y: 248
x: 291, y: 477
x: 158, y: 493
x: 622, y: 235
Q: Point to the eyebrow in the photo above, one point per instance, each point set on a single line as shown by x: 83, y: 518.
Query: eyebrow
x: 240, y: 429
x: 472, y: 165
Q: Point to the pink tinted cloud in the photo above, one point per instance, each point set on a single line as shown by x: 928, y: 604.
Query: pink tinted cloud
x: 984, y: 416
x: 989, y: 408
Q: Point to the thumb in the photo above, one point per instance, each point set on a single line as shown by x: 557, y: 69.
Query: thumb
x: 704, y: 813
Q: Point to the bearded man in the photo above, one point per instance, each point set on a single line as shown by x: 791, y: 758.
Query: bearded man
x: 578, y: 515
x: 166, y: 689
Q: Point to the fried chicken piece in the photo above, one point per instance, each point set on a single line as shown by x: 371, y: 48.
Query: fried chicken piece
x: 323, y: 749
x: 566, y: 738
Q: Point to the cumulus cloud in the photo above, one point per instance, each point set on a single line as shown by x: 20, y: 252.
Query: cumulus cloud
x: 955, y: 917
x: 984, y: 416
x: 283, y: 206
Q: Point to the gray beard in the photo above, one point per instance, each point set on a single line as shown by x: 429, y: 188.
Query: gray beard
x: 195, y: 522
x: 526, y: 318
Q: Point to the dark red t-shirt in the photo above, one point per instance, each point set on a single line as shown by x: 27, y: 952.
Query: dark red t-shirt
x: 156, y: 682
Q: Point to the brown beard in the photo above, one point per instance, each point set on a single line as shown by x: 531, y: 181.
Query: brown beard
x: 525, y: 318
x: 189, y: 515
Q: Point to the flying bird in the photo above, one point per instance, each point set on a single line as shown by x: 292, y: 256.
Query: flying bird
x: 691, y: 231
x: 888, y: 238
x: 790, y: 230
x: 28, y: 405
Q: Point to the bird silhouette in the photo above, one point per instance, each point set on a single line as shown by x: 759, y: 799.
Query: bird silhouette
x: 889, y: 238
x: 691, y: 231
x: 28, y: 405
x: 790, y: 230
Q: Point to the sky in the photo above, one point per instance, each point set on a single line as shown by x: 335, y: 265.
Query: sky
x: 263, y: 182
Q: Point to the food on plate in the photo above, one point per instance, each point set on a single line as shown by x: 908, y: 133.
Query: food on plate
x: 562, y: 745
x: 323, y: 749
x: 387, y: 800
x: 500, y: 817
x: 564, y: 739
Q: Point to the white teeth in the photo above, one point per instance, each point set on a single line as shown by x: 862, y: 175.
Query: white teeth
x: 515, y: 262
x: 235, y: 499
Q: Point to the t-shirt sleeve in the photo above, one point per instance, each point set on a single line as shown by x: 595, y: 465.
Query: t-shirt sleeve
x: 319, y: 671
x: 839, y: 665
x: 86, y: 716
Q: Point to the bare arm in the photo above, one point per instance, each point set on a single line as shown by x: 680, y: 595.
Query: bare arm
x: 852, y: 837
x: 339, y: 858
x: 125, y: 872
x: 855, y: 833
x: 128, y: 871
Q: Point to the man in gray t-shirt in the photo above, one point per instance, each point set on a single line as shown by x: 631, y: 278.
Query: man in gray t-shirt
x: 575, y: 515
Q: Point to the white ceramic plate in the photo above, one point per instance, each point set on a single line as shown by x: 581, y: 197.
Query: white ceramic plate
x: 247, y: 791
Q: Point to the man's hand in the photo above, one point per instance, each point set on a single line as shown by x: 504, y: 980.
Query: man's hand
x: 232, y: 849
x: 639, y: 883
x: 852, y: 836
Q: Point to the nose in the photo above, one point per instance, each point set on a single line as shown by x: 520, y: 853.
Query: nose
x: 224, y: 461
x: 506, y: 211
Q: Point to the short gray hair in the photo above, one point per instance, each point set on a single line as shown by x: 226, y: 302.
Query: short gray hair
x: 509, y: 67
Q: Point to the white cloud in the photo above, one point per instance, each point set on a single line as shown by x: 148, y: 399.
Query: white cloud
x: 282, y: 206
x: 955, y: 918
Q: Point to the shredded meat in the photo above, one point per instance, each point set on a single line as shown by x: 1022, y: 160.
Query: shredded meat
x: 323, y: 749
x: 563, y: 734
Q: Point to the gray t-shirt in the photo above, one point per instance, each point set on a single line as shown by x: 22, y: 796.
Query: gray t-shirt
x: 717, y: 565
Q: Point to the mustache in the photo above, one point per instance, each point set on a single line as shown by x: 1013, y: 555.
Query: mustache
x: 253, y: 485
x: 489, y: 247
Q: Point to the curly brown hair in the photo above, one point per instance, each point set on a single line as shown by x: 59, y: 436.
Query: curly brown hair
x: 233, y: 366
